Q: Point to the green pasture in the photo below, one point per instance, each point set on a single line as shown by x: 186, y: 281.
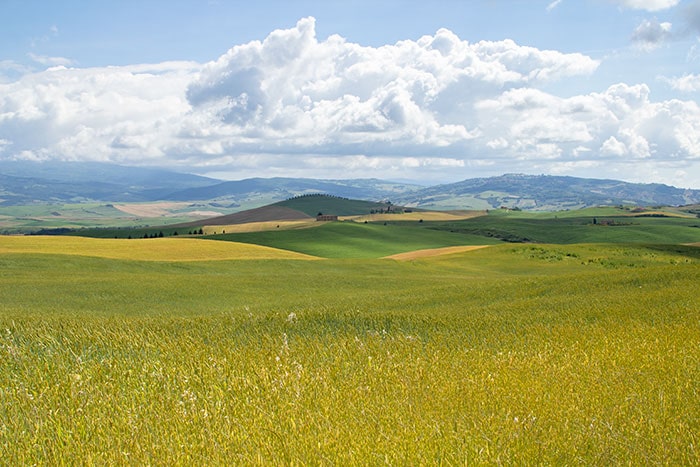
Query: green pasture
x: 96, y: 219
x: 512, y: 354
x: 357, y: 240
x: 82, y: 217
x: 551, y: 228
x: 374, y: 240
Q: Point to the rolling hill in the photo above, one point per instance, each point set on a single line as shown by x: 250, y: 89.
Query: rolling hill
x: 278, y: 188
x: 297, y: 208
x: 546, y: 193
x: 24, y: 183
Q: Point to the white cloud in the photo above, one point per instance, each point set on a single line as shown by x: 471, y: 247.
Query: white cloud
x: 650, y: 34
x: 50, y: 61
x: 648, y: 5
x: 295, y: 91
x: 621, y: 121
x: 78, y: 113
x: 293, y: 104
x: 553, y: 5
x: 686, y: 83
x: 613, y: 147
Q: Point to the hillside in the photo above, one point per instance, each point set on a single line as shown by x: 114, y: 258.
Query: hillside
x: 24, y: 182
x: 546, y: 193
x: 327, y: 204
x: 301, y: 207
x: 277, y: 189
x: 356, y: 240
x: 263, y: 214
x: 34, y: 183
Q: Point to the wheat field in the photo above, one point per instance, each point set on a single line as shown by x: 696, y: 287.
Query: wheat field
x: 577, y: 354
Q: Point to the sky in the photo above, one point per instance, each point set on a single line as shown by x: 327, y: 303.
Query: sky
x: 427, y: 92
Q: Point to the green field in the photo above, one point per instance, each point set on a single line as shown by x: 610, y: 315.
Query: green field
x: 375, y: 240
x: 511, y: 354
x: 552, y: 228
x: 99, y: 217
x: 356, y: 240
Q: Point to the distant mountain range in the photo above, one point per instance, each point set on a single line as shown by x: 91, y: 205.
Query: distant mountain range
x: 548, y: 193
x: 24, y: 182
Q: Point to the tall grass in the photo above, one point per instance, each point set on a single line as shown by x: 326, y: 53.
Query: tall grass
x: 510, y: 354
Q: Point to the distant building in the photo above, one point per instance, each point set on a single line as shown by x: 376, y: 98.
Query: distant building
x: 326, y: 217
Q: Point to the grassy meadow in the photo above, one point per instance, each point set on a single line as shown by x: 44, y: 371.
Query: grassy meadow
x: 356, y: 240
x: 510, y: 354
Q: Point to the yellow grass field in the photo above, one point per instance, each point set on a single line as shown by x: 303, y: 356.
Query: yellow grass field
x: 261, y: 226
x: 416, y: 216
x: 680, y: 215
x: 154, y: 249
x: 418, y: 254
x: 151, y: 209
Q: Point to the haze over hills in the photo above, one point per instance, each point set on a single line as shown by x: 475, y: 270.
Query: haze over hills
x: 283, y: 188
x: 547, y: 192
x: 24, y: 182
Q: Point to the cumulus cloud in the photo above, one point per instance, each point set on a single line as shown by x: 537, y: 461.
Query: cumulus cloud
x: 294, y: 90
x: 621, y: 121
x: 650, y: 34
x: 294, y: 104
x: 69, y: 113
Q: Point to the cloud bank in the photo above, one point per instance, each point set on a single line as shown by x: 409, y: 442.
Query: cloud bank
x: 437, y: 108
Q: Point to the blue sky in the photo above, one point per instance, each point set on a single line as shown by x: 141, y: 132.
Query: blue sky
x: 405, y: 90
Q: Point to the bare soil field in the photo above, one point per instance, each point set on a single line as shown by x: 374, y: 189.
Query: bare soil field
x: 263, y: 214
x: 150, y: 209
x: 417, y: 216
x: 261, y: 226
